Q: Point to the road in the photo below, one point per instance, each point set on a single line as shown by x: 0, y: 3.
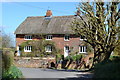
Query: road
x: 50, y: 73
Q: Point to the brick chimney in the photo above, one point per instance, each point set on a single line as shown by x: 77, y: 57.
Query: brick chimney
x: 48, y: 13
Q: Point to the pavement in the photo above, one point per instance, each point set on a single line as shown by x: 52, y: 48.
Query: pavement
x: 52, y: 74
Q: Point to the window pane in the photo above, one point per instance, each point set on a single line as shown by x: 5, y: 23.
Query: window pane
x: 28, y: 37
x: 80, y: 48
x: 66, y: 37
x: 49, y: 37
x: 83, y: 49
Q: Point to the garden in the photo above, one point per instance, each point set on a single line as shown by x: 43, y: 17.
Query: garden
x: 9, y: 70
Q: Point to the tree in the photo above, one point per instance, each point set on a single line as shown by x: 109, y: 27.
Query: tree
x: 98, y: 23
x: 117, y: 49
x: 6, y: 41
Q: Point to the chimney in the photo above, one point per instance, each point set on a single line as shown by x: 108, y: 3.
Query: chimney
x: 48, y: 13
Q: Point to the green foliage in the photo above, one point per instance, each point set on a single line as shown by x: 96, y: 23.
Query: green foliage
x: 117, y: 49
x: 74, y: 57
x: 12, y: 73
x: 109, y: 70
x: 115, y: 58
x: 68, y: 58
x: 27, y: 54
x: 9, y: 72
x: 58, y: 57
x: 7, y: 59
x: 38, y: 48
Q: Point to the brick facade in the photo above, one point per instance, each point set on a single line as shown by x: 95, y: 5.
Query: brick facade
x: 73, y: 43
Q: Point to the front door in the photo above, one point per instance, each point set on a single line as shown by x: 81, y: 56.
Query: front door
x: 18, y: 50
x: 66, y: 51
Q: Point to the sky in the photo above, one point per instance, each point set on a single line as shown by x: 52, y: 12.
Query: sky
x: 14, y: 13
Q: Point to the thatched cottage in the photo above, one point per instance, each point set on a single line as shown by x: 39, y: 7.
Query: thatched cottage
x: 55, y: 28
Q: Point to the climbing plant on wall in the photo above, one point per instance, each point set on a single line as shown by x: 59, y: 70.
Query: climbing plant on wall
x: 38, y: 47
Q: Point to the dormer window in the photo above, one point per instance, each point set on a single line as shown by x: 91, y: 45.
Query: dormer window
x: 49, y: 37
x: 66, y: 37
x: 28, y: 37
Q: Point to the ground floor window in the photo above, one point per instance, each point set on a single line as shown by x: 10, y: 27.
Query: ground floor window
x: 82, y: 49
x: 28, y: 49
x: 48, y: 48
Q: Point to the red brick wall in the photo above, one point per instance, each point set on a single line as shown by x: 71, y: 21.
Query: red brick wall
x: 59, y: 41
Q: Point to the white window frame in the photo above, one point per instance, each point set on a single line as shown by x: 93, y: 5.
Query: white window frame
x: 28, y: 37
x: 82, y: 39
x: 28, y: 49
x: 68, y: 38
x: 84, y: 49
x: 49, y: 37
x: 48, y: 48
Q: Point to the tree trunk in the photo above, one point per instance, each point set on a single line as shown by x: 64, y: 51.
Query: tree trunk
x: 107, y: 56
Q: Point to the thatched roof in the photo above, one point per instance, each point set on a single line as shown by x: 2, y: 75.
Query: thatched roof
x: 41, y: 25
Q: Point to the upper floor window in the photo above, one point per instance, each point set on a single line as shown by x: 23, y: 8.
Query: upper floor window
x: 48, y: 48
x: 28, y: 37
x: 82, y: 38
x: 66, y: 37
x: 49, y: 37
x: 28, y: 49
x: 82, y: 49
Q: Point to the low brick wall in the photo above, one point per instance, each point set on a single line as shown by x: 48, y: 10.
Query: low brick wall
x: 33, y: 62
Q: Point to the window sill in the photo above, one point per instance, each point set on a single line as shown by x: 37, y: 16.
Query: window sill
x: 48, y: 39
x: 49, y: 51
x: 27, y: 39
x: 66, y: 40
x: 83, y: 52
x: 82, y: 39
x: 27, y: 51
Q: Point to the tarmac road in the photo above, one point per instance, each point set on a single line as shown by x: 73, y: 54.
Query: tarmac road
x: 50, y: 73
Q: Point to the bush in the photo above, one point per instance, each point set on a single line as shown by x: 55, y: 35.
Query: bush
x: 12, y: 73
x: 77, y: 57
x: 115, y: 58
x: 58, y: 57
x: 9, y: 72
x: 109, y: 70
x: 7, y: 59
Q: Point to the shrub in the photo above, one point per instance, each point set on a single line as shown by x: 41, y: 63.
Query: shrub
x: 115, y: 58
x: 7, y: 59
x: 9, y: 72
x: 58, y: 57
x: 12, y: 73
x: 109, y: 70
x: 77, y: 57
